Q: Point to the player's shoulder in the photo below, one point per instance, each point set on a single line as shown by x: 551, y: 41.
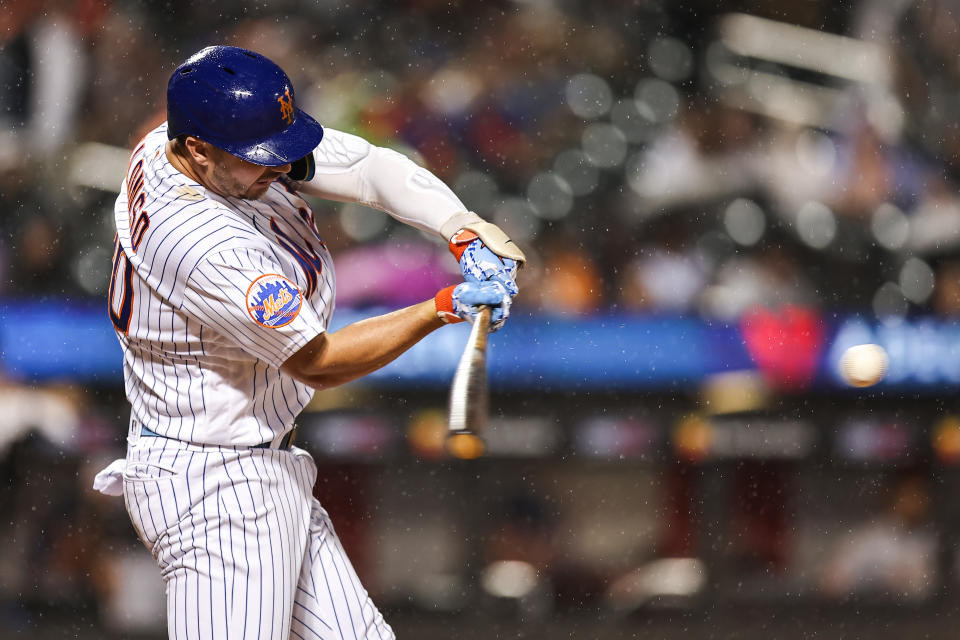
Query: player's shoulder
x: 187, y: 224
x: 165, y: 182
x: 337, y: 153
x: 149, y: 152
x: 179, y: 244
x: 183, y: 224
x: 151, y: 177
x: 338, y: 149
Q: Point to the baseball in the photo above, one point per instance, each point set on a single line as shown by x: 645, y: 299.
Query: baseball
x: 864, y: 365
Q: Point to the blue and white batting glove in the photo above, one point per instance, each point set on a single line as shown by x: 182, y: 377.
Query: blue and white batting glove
x: 463, y: 302
x: 479, y: 264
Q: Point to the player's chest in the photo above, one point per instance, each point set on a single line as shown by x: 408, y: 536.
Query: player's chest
x: 297, y: 246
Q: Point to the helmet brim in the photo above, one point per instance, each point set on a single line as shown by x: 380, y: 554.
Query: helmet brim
x: 285, y: 147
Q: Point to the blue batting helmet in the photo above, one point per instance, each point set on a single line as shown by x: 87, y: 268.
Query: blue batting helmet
x: 242, y: 102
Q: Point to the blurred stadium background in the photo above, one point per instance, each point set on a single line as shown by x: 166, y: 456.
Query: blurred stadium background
x: 717, y: 198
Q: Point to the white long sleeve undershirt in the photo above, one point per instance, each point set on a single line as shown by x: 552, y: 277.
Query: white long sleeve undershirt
x: 350, y: 169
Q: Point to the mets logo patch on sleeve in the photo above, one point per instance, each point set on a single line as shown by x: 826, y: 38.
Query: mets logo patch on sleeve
x: 273, y: 301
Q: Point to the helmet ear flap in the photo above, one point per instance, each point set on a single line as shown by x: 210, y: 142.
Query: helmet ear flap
x: 302, y: 170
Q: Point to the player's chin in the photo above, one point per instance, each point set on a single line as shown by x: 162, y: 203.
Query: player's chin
x: 257, y: 190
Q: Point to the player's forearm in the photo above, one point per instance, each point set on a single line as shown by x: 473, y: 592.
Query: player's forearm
x: 362, y: 347
x: 413, y: 195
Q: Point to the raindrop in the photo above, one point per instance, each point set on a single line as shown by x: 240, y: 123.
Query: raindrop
x: 635, y: 173
x: 604, y: 145
x: 890, y: 226
x: 657, y: 100
x: 720, y: 63
x: 362, y: 223
x: 637, y: 127
x: 762, y: 85
x: 91, y: 269
x: 581, y: 175
x: 816, y: 225
x: 887, y: 116
x: 889, y: 303
x: 588, y: 95
x: 744, y: 221
x: 916, y: 280
x: 451, y: 91
x: 816, y: 152
x: 378, y: 81
x: 714, y: 248
x: 549, y: 195
x: 517, y: 218
x: 670, y: 59
x: 477, y: 190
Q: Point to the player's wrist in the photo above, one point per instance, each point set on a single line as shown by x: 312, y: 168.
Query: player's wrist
x: 456, y: 222
x: 459, y: 242
x: 491, y: 236
x: 443, y: 304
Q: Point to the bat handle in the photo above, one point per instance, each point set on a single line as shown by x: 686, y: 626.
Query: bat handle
x: 481, y: 327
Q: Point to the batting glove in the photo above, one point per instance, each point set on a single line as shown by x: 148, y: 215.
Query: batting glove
x: 485, y: 253
x: 463, y: 302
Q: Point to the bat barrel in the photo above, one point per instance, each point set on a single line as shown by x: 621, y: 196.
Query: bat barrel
x: 468, y: 393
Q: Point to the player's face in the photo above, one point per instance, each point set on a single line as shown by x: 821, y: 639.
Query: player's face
x: 231, y: 176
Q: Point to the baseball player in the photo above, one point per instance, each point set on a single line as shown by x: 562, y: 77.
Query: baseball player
x: 221, y: 295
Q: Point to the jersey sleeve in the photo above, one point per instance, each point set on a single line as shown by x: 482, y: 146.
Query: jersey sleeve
x: 241, y: 294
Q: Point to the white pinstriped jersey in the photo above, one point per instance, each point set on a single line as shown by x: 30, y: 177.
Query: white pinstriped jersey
x: 209, y: 296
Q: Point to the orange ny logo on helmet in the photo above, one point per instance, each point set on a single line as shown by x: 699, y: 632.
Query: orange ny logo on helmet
x: 286, y: 107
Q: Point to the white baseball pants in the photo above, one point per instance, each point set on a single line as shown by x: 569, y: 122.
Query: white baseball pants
x: 245, y: 549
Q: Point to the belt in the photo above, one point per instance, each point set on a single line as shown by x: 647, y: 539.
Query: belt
x: 285, y: 442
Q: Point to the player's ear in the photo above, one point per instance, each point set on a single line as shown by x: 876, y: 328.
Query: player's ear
x: 199, y: 151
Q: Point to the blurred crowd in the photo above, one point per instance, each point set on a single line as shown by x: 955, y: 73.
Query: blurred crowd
x: 646, y: 160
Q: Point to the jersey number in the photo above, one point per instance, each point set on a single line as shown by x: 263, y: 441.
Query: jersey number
x: 121, y: 287
x: 121, y: 301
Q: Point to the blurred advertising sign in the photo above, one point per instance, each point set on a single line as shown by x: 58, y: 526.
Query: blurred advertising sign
x: 923, y: 352
x: 785, y: 344
x: 349, y: 434
x: 45, y: 340
x: 610, y: 438
x: 793, y: 348
x: 697, y: 438
x: 875, y: 440
x: 945, y: 439
x: 522, y: 436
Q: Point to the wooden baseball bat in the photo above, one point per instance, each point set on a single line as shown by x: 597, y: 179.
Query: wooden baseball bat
x: 468, y: 393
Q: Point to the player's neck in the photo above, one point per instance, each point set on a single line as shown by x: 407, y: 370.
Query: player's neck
x: 181, y: 163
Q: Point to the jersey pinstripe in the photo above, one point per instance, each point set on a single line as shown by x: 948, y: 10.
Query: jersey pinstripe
x: 198, y: 366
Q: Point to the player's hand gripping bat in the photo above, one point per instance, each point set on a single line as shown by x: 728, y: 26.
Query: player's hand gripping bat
x: 468, y: 393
